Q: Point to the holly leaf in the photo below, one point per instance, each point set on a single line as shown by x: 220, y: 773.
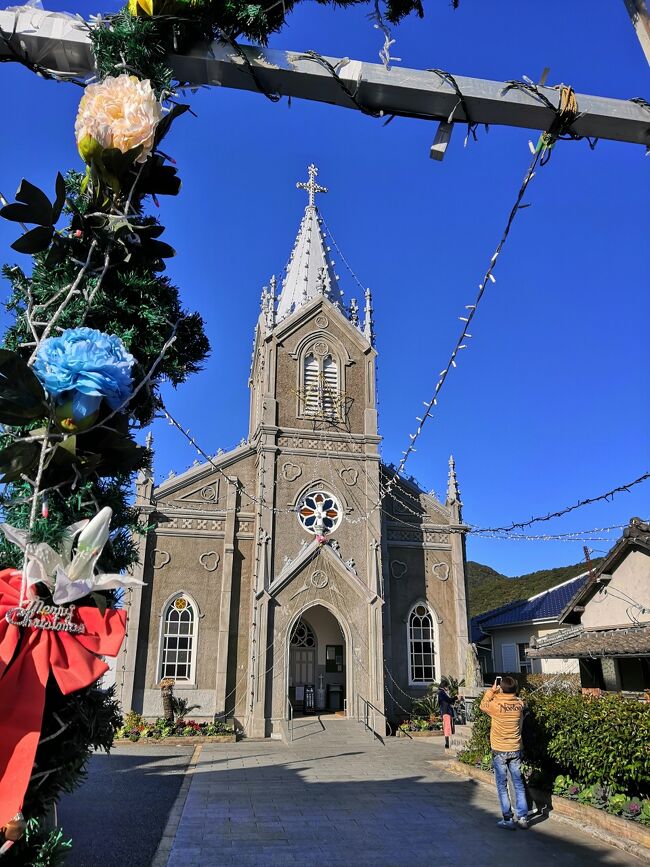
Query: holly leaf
x: 38, y: 203
x: 22, y: 398
x: 34, y: 241
x: 18, y: 458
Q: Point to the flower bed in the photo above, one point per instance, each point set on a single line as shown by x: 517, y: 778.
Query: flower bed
x: 420, y: 727
x: 136, y: 729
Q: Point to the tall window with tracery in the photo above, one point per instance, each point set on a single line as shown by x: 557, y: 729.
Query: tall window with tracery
x: 321, y: 386
x: 178, y: 650
x: 422, y: 646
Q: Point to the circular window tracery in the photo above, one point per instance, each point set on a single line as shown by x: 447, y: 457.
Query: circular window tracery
x: 319, y: 513
x: 302, y: 635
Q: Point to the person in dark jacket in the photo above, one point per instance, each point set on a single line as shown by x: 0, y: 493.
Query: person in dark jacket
x: 446, y: 703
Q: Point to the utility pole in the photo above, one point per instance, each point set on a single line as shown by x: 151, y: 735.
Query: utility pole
x: 61, y: 46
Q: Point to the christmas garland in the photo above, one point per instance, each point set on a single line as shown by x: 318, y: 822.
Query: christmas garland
x: 80, y: 374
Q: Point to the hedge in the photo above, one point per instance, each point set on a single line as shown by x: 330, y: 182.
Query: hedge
x: 595, y: 741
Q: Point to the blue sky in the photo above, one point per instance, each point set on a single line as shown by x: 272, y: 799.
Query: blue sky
x: 550, y: 403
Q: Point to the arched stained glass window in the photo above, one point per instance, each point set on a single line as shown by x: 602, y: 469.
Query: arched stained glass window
x: 422, y: 641
x: 178, y: 652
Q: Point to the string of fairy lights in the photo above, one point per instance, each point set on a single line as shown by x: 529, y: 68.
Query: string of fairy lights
x: 321, y: 397
x: 588, y: 535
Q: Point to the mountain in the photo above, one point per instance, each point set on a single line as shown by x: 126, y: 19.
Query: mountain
x: 489, y: 589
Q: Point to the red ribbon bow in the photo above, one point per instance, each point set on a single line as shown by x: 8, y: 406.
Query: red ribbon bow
x: 27, y: 656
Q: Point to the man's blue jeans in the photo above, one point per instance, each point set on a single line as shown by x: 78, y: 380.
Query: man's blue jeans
x: 502, y: 763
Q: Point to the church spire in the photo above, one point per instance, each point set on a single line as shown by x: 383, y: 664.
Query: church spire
x: 310, y: 271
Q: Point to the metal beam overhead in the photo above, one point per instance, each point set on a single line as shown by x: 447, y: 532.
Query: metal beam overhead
x: 62, y: 44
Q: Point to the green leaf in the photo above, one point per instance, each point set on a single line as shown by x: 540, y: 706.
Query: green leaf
x: 22, y: 398
x: 17, y: 213
x: 40, y: 205
x: 165, y: 123
x: 18, y: 458
x: 160, y: 250
x: 160, y: 180
x: 100, y: 601
x: 114, y: 450
x: 34, y: 241
x: 59, y: 202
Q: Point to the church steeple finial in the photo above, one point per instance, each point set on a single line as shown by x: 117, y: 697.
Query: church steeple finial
x: 453, y: 494
x: 311, y: 186
x: 368, y: 330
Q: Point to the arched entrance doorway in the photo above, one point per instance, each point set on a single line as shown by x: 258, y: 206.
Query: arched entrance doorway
x: 318, y: 659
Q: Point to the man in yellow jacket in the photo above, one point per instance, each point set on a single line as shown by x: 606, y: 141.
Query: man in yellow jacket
x: 507, y: 711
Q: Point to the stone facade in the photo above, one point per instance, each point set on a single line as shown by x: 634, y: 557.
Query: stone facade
x: 227, y: 534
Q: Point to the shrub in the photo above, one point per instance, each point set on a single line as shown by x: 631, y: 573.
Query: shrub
x: 597, y: 740
x: 594, y: 741
x: 427, y: 705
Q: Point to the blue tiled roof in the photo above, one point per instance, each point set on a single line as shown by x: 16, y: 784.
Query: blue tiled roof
x: 544, y: 606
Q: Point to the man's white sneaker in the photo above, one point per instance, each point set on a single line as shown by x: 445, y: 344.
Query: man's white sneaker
x: 506, y: 823
x: 523, y: 823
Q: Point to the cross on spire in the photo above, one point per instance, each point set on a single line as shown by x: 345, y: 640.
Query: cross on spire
x: 311, y: 186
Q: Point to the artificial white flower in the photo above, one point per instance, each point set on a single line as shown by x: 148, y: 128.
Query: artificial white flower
x: 119, y: 112
x: 71, y: 577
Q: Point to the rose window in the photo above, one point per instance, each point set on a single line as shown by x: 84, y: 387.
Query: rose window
x: 319, y: 513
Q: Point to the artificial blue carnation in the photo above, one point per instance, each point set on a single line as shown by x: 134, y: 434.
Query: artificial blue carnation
x: 84, y: 365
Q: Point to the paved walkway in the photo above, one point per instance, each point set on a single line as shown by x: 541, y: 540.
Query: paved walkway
x: 336, y: 797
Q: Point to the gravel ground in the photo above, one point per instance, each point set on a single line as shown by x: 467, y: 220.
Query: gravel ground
x: 116, y: 818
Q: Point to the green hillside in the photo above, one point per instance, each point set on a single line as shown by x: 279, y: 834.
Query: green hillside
x: 489, y: 589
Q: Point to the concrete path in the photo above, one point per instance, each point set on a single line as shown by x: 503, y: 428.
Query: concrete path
x: 337, y: 797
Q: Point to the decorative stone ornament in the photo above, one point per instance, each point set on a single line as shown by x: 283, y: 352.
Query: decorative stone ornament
x: 398, y: 569
x: 291, y: 472
x: 319, y: 579
x: 319, y: 513
x: 322, y: 321
x: 209, y: 560
x: 209, y: 493
x: 441, y: 571
x: 159, y: 558
x: 349, y: 475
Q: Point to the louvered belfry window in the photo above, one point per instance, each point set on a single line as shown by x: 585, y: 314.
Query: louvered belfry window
x: 321, y: 386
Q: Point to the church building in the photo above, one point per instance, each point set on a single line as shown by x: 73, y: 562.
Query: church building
x: 297, y: 569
